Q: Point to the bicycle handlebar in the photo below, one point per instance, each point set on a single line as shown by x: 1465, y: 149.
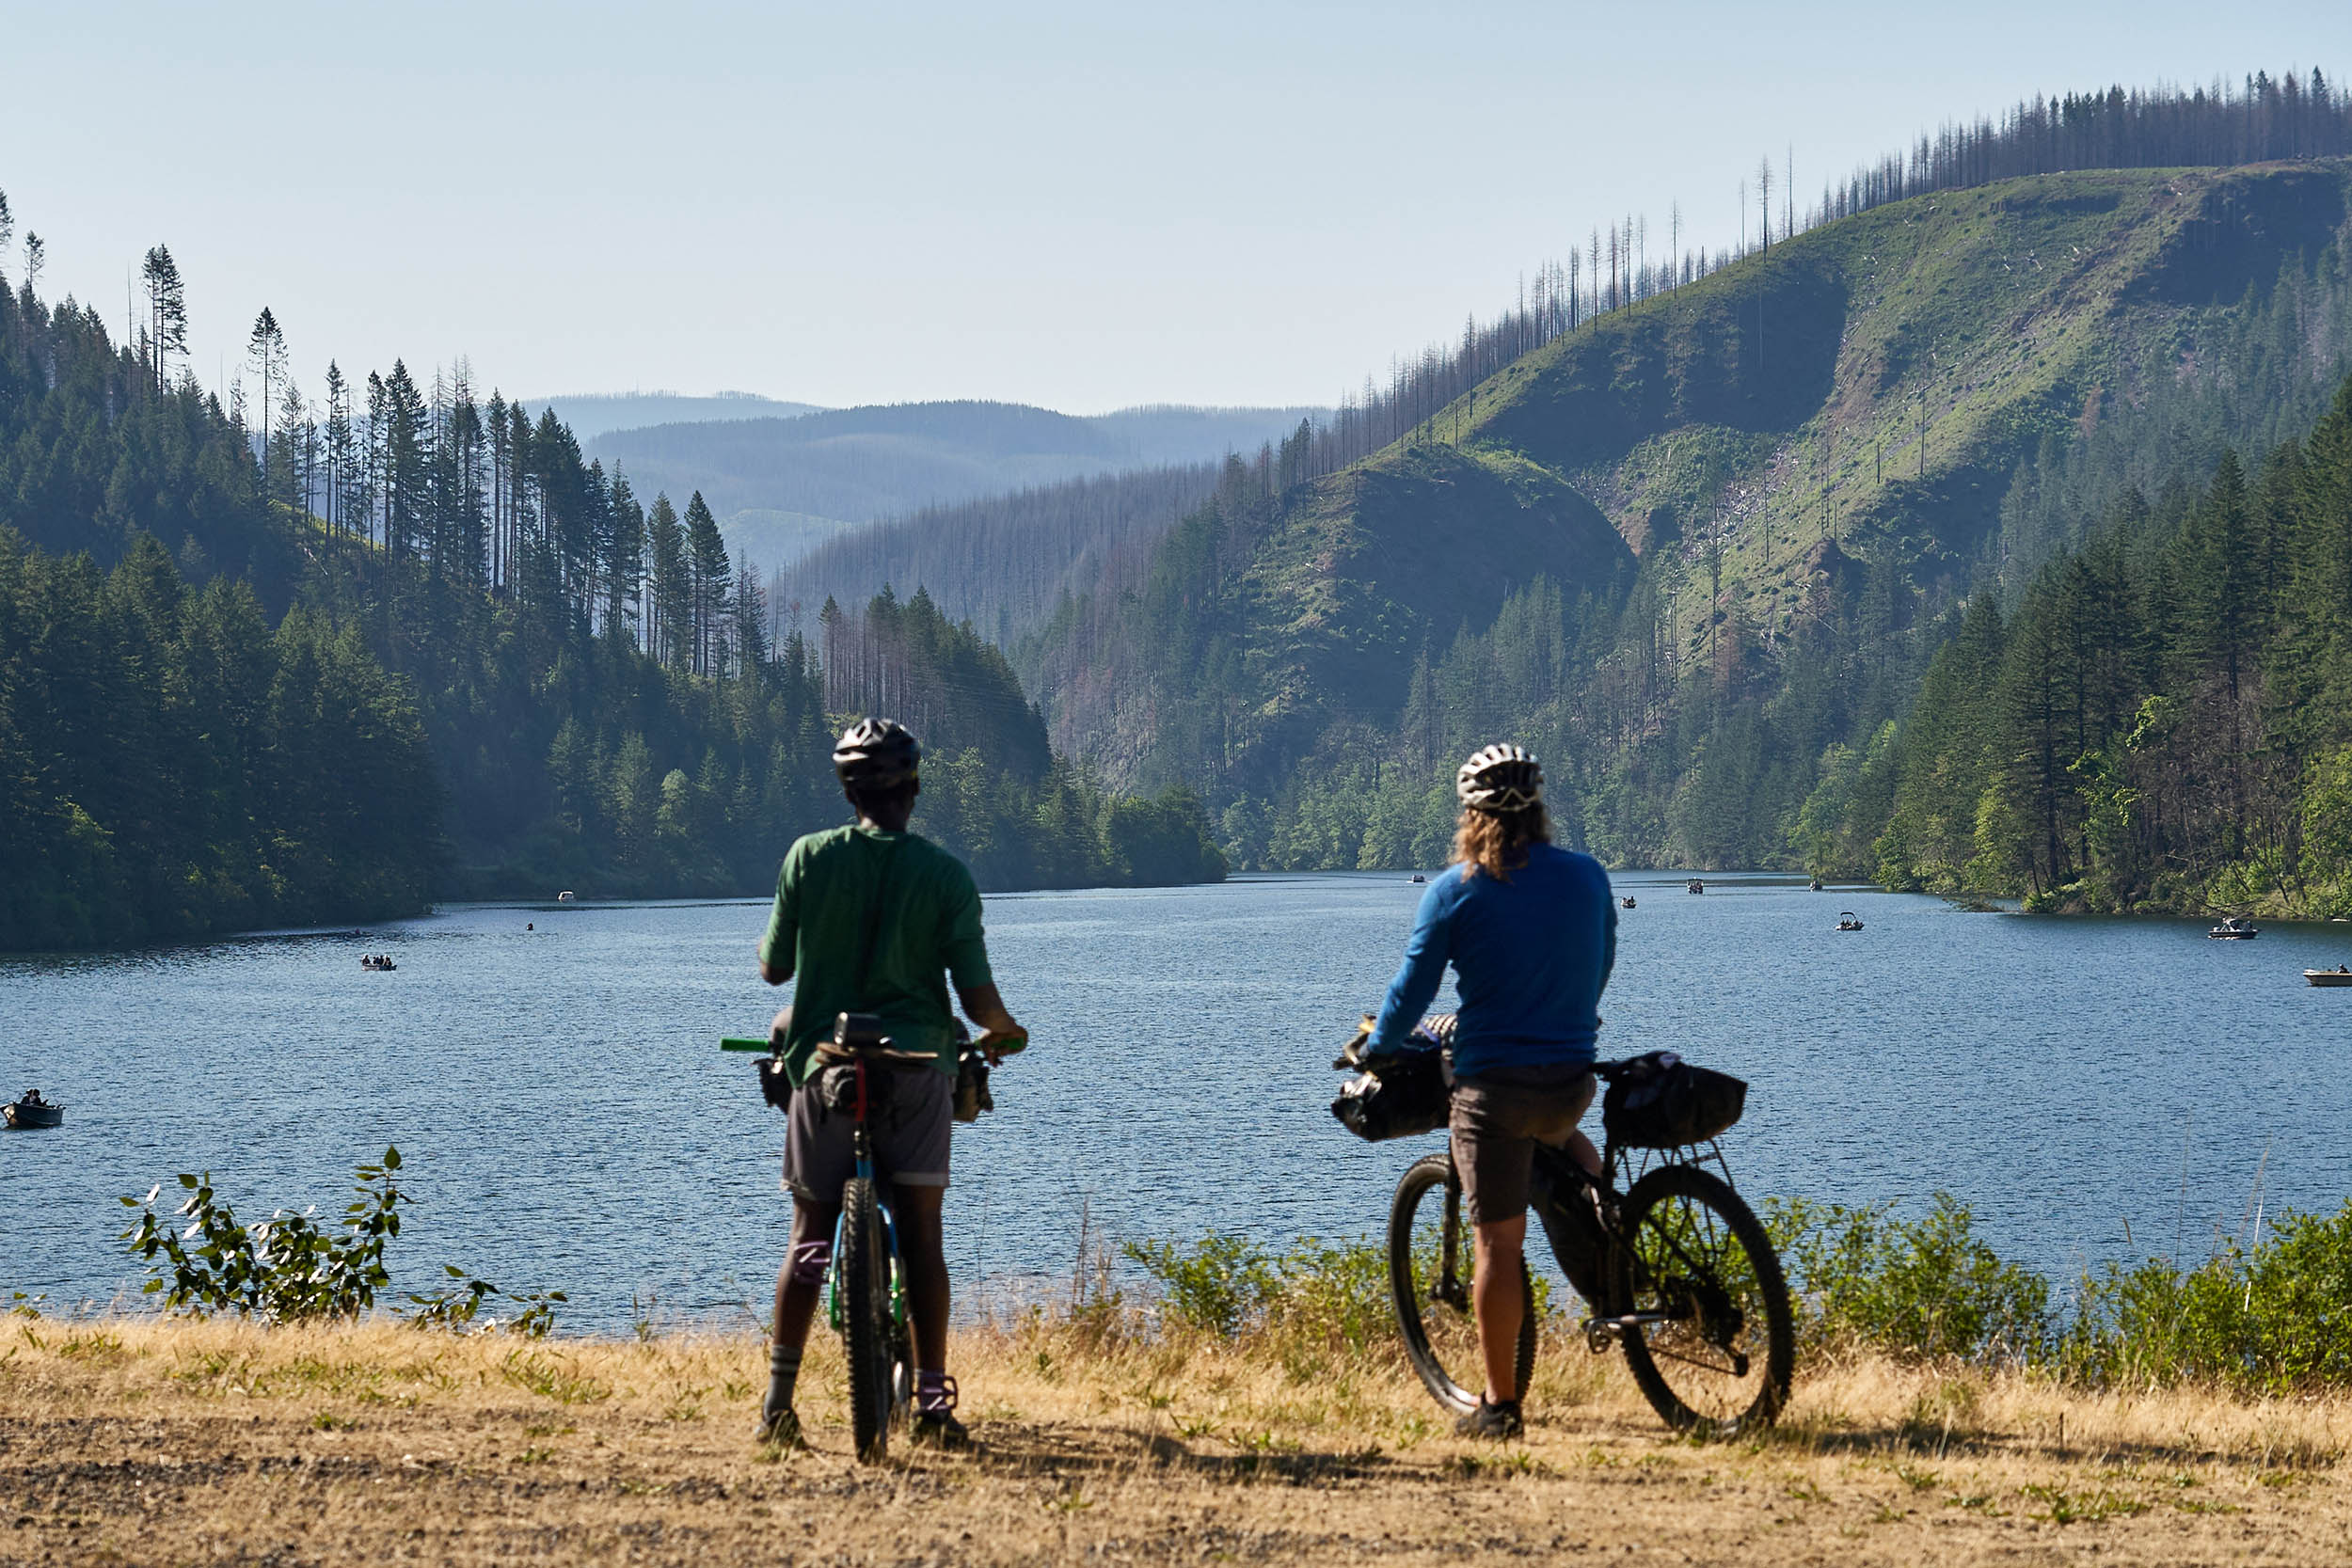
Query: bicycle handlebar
x: 761, y: 1047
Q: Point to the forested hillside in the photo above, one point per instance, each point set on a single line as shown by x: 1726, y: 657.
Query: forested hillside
x: 1801, y: 464
x: 1003, y: 561
x: 2165, y: 717
x: 285, y: 661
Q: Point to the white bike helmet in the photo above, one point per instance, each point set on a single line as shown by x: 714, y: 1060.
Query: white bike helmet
x: 1499, y: 779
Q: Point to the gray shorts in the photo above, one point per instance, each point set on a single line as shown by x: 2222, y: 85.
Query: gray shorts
x: 910, y: 1137
x: 1498, y: 1120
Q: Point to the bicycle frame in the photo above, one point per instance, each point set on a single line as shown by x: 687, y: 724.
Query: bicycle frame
x: 1587, y: 1245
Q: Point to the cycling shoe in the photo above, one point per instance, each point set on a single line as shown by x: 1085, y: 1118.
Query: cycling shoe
x: 1498, y: 1420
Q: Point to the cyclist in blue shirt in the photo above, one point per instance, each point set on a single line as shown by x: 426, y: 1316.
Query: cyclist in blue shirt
x: 1531, y: 930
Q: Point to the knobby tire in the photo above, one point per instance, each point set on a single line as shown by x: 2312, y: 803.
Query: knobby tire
x: 1692, y: 1239
x: 866, y: 1320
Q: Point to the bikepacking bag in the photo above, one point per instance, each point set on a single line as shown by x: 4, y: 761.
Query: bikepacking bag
x: 1660, y: 1101
x: 1399, y: 1093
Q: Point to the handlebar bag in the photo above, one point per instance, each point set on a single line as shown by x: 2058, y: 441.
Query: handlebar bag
x: 1399, y: 1094
x: 1660, y: 1101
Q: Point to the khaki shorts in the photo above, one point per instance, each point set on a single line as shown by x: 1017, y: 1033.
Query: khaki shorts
x: 1498, y: 1120
x: 910, y: 1137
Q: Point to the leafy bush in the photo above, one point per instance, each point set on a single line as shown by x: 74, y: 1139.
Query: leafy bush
x: 290, y: 1268
x: 287, y: 1268
x: 1227, y: 1285
x: 1927, y: 1287
x: 2272, y: 1321
x: 1220, y: 1284
x: 459, y: 1304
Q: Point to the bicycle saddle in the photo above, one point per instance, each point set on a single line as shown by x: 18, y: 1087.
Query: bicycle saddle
x: 860, y: 1034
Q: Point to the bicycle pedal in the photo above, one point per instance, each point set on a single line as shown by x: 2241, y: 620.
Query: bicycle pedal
x: 1601, y: 1335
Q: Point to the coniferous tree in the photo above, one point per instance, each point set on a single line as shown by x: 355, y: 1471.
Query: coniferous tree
x: 166, y: 312
x: 711, y: 580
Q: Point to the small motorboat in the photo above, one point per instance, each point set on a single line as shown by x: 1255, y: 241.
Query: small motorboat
x: 1626, y: 902
x: 2234, y: 928
x: 1817, y: 884
x: 567, y: 897
x: 1418, y: 877
x: 1846, y: 921
x: 380, y: 963
x: 1696, y: 886
x: 31, y: 1110
x: 2339, y: 975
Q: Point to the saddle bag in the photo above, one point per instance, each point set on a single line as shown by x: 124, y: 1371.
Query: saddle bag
x: 1659, y: 1101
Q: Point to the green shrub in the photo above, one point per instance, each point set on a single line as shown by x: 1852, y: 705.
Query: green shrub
x: 1220, y: 1284
x: 1227, y: 1285
x: 290, y: 1268
x: 287, y: 1268
x: 1928, y: 1289
x: 2273, y: 1321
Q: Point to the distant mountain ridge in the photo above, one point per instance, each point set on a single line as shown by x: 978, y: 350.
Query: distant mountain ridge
x: 854, y: 466
x: 594, y: 414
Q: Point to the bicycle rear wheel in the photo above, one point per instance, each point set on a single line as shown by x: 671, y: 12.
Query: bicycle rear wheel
x: 1429, y: 1277
x: 1708, y: 1336
x: 863, y: 1263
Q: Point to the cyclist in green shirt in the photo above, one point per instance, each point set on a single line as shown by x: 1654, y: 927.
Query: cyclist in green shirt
x: 868, y: 919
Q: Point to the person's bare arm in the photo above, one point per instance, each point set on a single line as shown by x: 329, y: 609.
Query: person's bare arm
x: 985, y: 1006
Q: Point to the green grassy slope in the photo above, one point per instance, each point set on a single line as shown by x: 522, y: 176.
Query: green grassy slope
x: 1881, y: 378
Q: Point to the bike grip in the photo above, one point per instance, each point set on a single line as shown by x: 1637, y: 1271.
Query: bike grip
x: 731, y: 1043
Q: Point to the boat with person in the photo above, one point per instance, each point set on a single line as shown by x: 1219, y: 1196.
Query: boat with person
x: 1696, y: 886
x: 2236, y: 927
x: 567, y: 897
x: 2340, y: 975
x: 1627, y: 902
x: 1848, y: 922
x: 377, y: 962
x: 31, y: 1110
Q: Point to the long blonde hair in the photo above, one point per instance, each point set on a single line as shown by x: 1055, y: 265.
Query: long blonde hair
x: 1495, y: 843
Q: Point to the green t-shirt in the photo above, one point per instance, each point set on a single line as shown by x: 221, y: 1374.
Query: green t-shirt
x: 930, y: 922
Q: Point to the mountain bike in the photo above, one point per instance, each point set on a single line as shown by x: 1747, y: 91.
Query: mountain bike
x: 866, y: 1296
x: 865, y: 1299
x: 1675, y: 1268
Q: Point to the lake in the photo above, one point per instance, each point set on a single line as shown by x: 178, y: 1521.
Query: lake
x: 567, y: 1121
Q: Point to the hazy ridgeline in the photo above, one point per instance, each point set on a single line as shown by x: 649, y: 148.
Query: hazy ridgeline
x: 859, y: 465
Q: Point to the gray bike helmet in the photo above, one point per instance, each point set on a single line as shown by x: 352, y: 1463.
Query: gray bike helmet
x: 876, y: 755
x: 1499, y: 779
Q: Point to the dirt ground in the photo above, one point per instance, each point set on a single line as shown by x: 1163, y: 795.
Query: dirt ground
x: 143, y: 1442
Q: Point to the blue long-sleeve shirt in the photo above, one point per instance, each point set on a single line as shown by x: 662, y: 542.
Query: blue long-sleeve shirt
x: 1531, y: 957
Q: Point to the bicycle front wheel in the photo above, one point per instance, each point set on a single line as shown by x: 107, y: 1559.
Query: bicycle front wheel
x: 1707, y: 1334
x: 863, y: 1263
x: 1429, y: 1277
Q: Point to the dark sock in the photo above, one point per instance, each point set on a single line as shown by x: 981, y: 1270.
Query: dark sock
x: 784, y: 1370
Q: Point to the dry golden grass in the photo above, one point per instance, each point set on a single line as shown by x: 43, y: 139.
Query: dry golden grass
x: 145, y: 1442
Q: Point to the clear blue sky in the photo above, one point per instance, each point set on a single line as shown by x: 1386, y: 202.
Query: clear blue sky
x: 1077, y: 206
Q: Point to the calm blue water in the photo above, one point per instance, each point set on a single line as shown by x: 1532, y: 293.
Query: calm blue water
x: 567, y: 1121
